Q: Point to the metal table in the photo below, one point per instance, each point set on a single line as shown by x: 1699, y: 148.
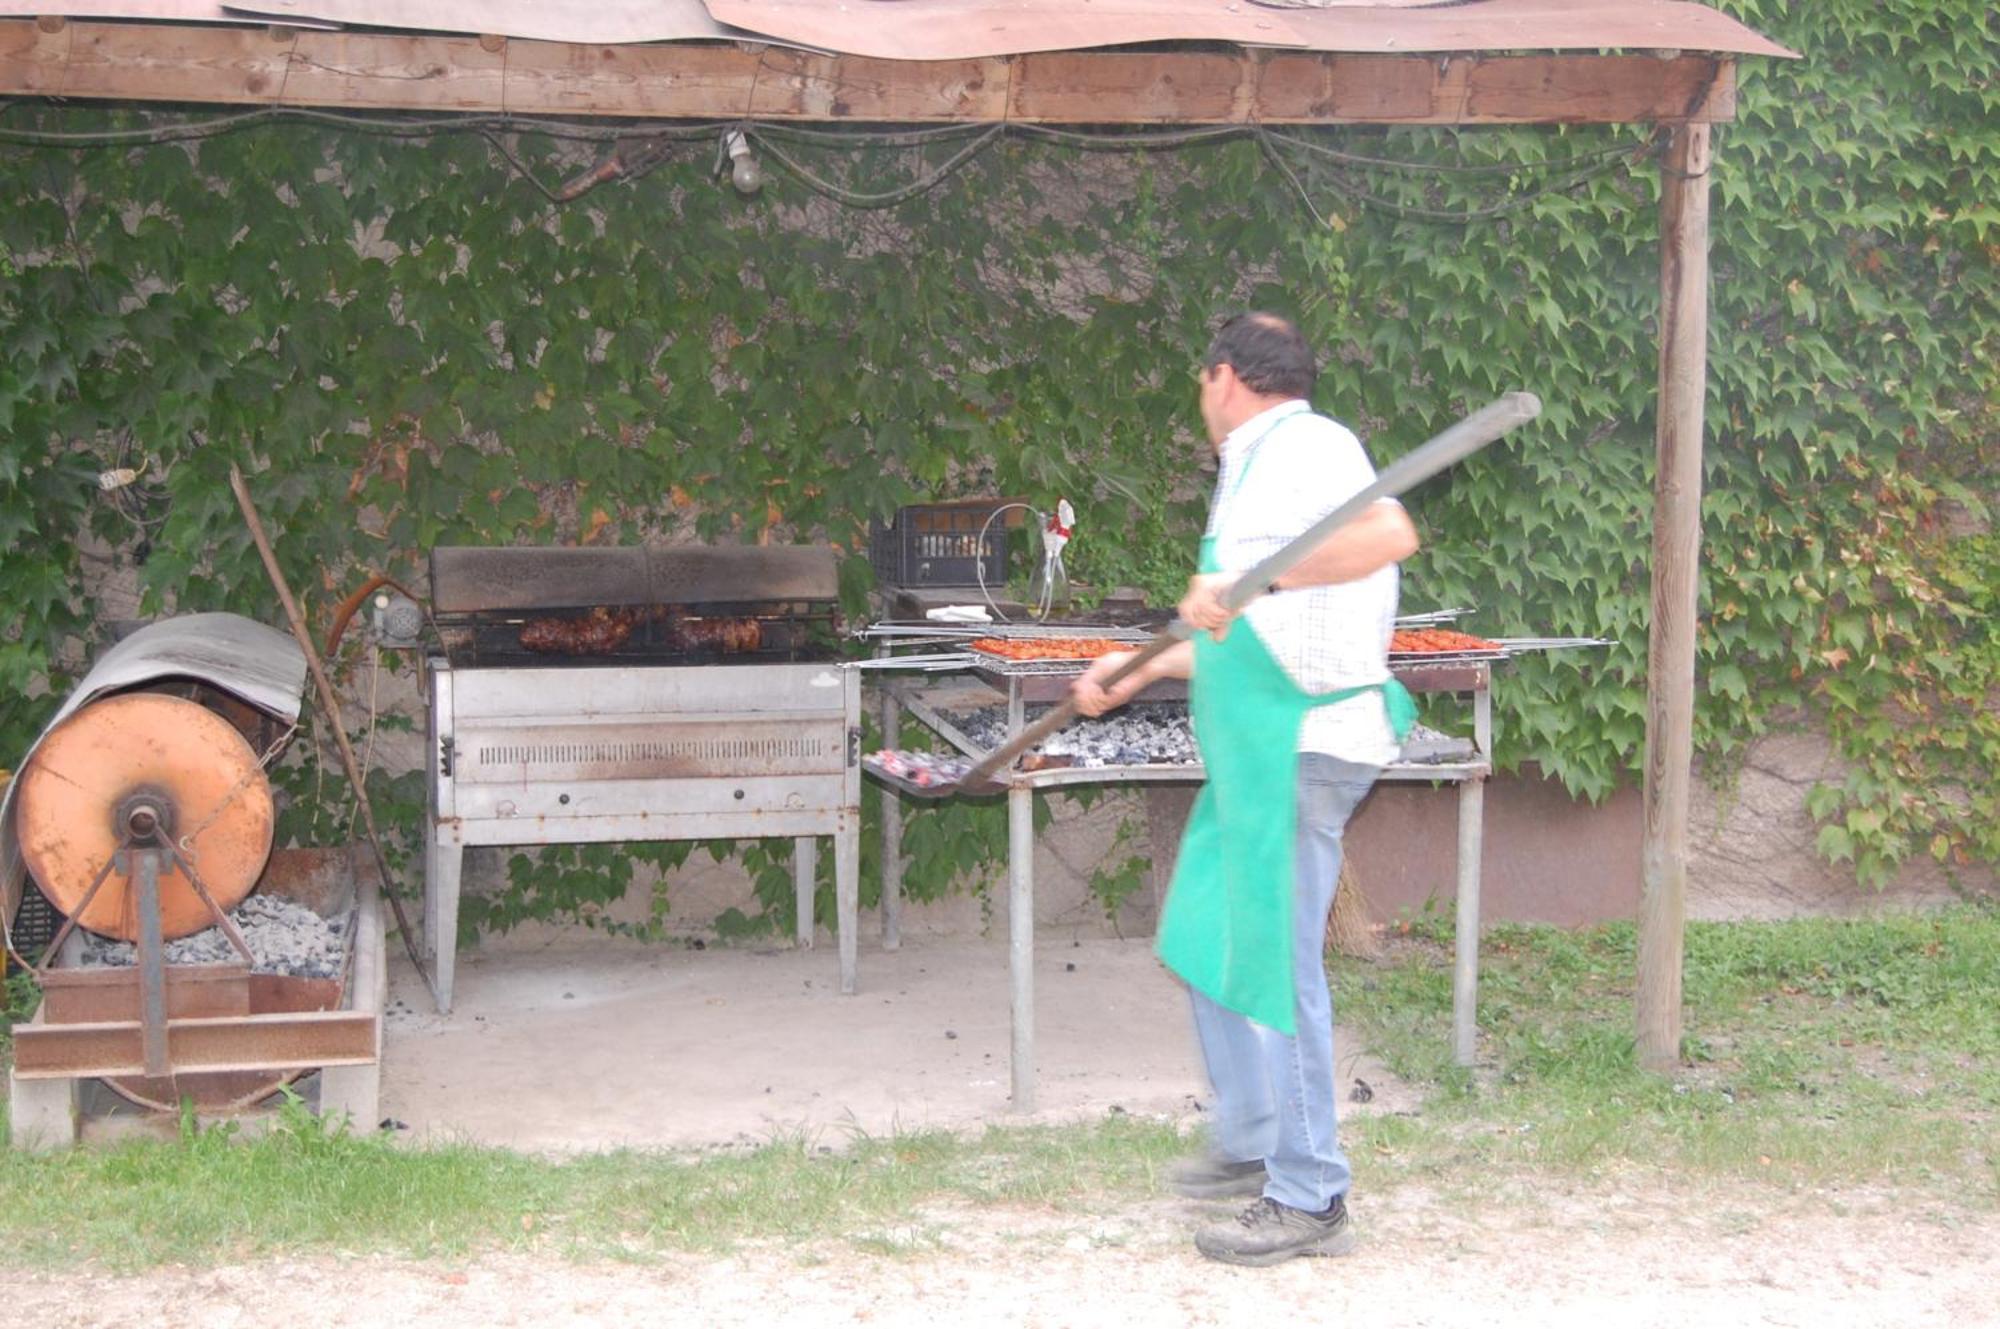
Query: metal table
x: 1472, y: 676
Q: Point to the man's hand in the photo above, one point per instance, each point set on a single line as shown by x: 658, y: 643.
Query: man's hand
x: 1091, y: 696
x: 1202, y: 606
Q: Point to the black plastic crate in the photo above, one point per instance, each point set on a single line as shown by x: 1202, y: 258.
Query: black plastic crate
x: 35, y: 921
x: 939, y: 544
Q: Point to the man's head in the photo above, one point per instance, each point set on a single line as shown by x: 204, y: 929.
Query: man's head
x: 1256, y: 361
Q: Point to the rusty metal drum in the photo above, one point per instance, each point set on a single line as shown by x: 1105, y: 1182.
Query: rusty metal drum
x: 74, y: 804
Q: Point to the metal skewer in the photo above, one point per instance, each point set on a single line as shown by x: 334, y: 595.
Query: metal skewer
x: 1447, y: 449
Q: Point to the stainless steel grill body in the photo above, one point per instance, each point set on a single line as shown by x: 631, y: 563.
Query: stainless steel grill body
x: 568, y: 755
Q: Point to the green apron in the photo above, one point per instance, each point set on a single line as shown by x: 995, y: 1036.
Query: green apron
x: 1227, y: 925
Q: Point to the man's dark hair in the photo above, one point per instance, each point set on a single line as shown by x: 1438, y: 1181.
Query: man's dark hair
x: 1267, y: 352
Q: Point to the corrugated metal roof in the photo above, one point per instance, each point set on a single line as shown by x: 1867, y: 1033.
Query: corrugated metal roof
x: 960, y: 29
x: 157, y: 11
x: 965, y: 29
x: 598, y: 23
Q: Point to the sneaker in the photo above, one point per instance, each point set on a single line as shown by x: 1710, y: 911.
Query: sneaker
x: 1268, y: 1232
x: 1206, y: 1177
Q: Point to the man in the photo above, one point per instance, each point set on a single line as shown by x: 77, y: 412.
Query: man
x: 1296, y: 713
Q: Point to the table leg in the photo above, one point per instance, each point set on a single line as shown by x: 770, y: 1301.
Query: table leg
x: 892, y: 832
x: 805, y: 877
x: 1021, y: 940
x: 1465, y: 972
x: 847, y: 895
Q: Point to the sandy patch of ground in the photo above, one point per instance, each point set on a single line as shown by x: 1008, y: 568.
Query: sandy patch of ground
x: 574, y: 1046
x: 1569, y: 1256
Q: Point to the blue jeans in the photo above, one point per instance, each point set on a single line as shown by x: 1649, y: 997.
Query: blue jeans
x: 1274, y: 1095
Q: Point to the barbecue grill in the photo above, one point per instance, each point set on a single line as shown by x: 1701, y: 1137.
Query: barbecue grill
x: 1144, y: 759
x: 590, y: 695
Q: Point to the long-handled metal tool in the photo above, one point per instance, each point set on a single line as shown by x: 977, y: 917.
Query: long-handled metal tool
x: 1449, y: 448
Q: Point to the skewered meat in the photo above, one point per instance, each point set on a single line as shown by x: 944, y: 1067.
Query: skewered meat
x: 723, y: 636
x: 599, y: 632
x: 1432, y: 641
x: 1052, y: 648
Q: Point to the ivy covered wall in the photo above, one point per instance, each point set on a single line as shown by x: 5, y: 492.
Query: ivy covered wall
x: 405, y: 341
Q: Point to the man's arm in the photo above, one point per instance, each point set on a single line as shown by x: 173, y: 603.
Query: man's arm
x: 1091, y: 696
x: 1378, y: 537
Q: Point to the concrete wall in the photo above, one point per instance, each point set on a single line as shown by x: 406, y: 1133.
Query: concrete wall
x: 1548, y: 859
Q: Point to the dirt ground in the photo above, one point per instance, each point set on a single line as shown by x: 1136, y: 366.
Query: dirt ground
x: 1547, y: 1258
x: 568, y: 1045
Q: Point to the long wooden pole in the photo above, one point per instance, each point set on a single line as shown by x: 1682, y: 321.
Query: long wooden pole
x: 330, y: 706
x: 1676, y: 550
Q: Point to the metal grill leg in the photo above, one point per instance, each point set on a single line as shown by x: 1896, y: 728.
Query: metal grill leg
x: 847, y: 895
x: 805, y: 874
x: 446, y: 861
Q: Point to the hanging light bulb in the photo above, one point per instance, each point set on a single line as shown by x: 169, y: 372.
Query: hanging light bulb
x: 744, y: 172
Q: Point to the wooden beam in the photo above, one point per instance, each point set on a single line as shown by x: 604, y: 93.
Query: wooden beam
x: 434, y: 73
x: 1676, y: 550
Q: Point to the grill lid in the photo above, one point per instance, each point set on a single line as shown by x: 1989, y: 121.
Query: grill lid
x: 479, y: 580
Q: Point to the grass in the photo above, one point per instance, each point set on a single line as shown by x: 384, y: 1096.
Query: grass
x: 214, y: 1196
x: 1826, y: 1052
x: 1820, y: 1053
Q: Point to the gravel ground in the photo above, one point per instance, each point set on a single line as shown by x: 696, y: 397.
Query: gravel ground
x: 284, y: 937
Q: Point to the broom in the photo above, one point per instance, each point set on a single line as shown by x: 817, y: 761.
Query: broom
x: 1347, y: 930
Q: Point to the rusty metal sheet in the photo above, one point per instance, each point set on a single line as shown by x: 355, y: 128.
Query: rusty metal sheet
x: 156, y: 11
x: 969, y: 29
x: 602, y: 23
x: 100, y: 995
x: 482, y: 580
x: 960, y: 29
x: 197, y: 1046
x: 321, y: 879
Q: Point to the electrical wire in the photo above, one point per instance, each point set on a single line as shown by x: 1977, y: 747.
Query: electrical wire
x: 772, y: 138
x: 1597, y: 164
x: 1455, y: 168
x: 1051, y: 564
x: 887, y: 198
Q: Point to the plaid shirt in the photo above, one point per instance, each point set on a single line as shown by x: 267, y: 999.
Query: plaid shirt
x: 1282, y: 471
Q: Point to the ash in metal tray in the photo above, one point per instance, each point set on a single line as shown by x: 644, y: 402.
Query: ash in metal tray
x: 923, y: 768
x: 1142, y: 734
x: 284, y: 937
x: 1154, y: 734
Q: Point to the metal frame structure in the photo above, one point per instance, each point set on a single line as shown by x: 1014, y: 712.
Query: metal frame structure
x: 1045, y: 61
x: 1019, y: 688
x: 104, y: 1023
x: 589, y: 755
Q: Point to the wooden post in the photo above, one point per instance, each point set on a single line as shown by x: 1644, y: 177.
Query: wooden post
x: 1676, y: 548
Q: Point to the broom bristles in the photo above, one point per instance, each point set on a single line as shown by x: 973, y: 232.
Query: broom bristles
x: 1348, y: 931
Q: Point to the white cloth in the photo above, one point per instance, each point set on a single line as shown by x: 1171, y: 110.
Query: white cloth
x: 1283, y: 470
